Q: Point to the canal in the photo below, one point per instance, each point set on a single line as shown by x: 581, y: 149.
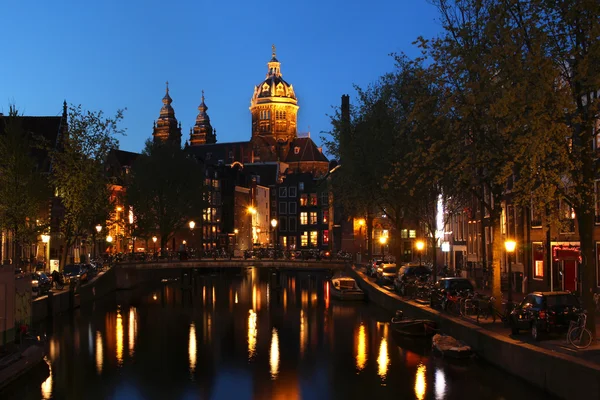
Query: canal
x: 247, y: 334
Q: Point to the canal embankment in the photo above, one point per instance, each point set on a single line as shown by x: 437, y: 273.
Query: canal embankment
x: 562, y: 375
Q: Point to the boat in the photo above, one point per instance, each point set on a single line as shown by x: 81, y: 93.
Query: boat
x: 413, y: 327
x: 448, y: 346
x: 345, y: 288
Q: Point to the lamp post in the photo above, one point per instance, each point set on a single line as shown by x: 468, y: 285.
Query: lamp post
x: 98, y: 230
x: 235, y: 239
x: 510, y: 246
x: 252, y: 212
x: 420, y: 245
x: 154, y: 239
x: 361, y: 223
x: 274, y: 225
x: 45, y: 240
x: 192, y: 224
x: 382, y: 241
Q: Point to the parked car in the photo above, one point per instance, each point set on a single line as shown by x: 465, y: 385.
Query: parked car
x: 448, y: 287
x: 40, y: 283
x: 372, y: 267
x: 408, y: 274
x: 544, y: 312
x: 386, y: 273
x: 75, y: 273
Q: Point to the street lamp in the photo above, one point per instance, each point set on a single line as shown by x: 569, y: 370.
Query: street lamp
x: 274, y: 225
x: 361, y: 223
x: 383, y: 241
x: 45, y: 240
x: 192, y: 224
x: 420, y: 246
x: 154, y: 239
x: 98, y: 229
x: 510, y: 246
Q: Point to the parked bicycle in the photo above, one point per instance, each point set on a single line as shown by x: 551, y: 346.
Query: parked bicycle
x: 579, y: 336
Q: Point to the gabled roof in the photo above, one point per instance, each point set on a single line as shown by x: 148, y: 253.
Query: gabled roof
x: 304, y: 149
x: 213, y: 153
x: 125, y: 158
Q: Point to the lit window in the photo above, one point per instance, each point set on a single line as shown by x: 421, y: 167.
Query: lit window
x: 303, y: 218
x: 304, y: 239
x: 325, y: 237
x: 412, y: 234
x: 325, y: 216
x: 404, y: 233
x: 265, y: 87
x: 313, y: 238
x: 303, y: 200
x: 538, y: 260
x: 313, y: 217
x: 313, y: 199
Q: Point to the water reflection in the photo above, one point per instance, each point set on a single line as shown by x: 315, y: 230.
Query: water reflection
x: 99, y: 353
x: 132, y: 330
x: 119, y: 334
x: 274, y: 354
x: 420, y: 383
x: 383, y: 359
x: 252, y: 332
x: 236, y: 298
x: 192, y: 347
x: 440, y: 384
x: 47, y: 384
x: 303, y: 333
x: 361, y: 348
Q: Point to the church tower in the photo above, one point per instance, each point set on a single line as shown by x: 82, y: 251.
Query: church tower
x: 166, y: 127
x: 274, y: 106
x: 202, y: 132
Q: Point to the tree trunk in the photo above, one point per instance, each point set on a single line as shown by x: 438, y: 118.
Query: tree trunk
x: 587, y: 273
x: 497, y: 251
x: 370, y: 236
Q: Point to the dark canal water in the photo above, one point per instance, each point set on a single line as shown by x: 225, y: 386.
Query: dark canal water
x: 248, y: 334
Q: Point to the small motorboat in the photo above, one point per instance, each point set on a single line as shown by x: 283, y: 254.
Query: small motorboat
x: 447, y: 346
x: 413, y: 327
x: 345, y: 288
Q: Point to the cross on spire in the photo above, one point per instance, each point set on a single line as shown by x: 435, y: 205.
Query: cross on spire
x: 273, y: 48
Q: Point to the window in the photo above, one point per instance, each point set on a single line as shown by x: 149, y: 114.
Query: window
x: 283, y: 224
x: 292, y: 224
x: 567, y: 216
x: 404, y: 234
x: 303, y: 200
x: 303, y: 218
x: 313, y: 199
x: 283, y: 191
x: 304, y: 239
x: 313, y: 238
x: 292, y: 240
x: 292, y: 191
x: 324, y: 198
x: 536, y: 216
x: 279, y: 115
x: 282, y: 207
x: 300, y: 186
x: 325, y: 237
x: 296, y: 150
x: 412, y: 234
x: 325, y: 216
x: 597, y: 200
x: 265, y: 87
x: 313, y: 217
x: 292, y: 207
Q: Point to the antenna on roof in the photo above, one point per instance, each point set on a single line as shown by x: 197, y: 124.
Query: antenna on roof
x: 309, y: 131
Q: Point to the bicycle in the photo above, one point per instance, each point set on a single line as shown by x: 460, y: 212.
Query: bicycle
x: 578, y: 335
x: 486, y: 308
x: 468, y: 304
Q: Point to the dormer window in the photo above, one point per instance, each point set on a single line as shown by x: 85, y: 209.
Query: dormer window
x: 296, y: 150
x: 265, y: 87
x: 280, y: 91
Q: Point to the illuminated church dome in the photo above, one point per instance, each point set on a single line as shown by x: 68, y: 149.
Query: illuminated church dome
x: 274, y: 105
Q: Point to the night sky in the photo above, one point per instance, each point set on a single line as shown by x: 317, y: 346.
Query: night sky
x: 118, y: 54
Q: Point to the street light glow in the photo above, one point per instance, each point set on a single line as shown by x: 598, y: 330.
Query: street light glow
x: 274, y: 223
x: 510, y: 245
x: 98, y: 228
x: 45, y: 238
x: 192, y: 224
x: 361, y: 222
x: 154, y: 239
x: 420, y: 245
x: 236, y: 231
x: 252, y: 210
x: 109, y: 239
x: 382, y: 239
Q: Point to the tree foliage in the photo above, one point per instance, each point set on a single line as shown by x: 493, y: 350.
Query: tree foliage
x: 166, y: 190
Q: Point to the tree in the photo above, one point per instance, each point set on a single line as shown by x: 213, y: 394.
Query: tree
x: 78, y: 173
x: 166, y: 190
x: 23, y: 186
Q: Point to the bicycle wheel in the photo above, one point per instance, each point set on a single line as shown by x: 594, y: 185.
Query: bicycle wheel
x: 580, y: 337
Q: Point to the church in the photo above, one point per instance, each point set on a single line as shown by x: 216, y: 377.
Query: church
x: 268, y: 189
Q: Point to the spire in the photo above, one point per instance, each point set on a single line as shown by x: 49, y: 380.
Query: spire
x: 203, y: 130
x: 167, y: 128
x: 274, y: 64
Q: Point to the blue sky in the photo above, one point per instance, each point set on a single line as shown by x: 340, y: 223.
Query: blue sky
x: 115, y: 54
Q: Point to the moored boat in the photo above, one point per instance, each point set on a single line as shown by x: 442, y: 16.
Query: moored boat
x: 450, y: 347
x: 412, y: 327
x: 345, y: 288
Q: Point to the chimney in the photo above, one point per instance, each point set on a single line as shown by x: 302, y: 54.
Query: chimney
x: 320, y: 150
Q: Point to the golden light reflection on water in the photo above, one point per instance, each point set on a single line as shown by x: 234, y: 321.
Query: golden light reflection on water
x: 99, y: 353
x: 440, y: 384
x: 132, y: 330
x: 192, y: 347
x: 361, y: 348
x: 420, y: 383
x: 203, y: 295
x: 47, y: 384
x: 236, y: 298
x: 119, y: 334
x: 304, y: 298
x: 326, y: 294
x: 303, y: 333
x: 383, y: 360
x: 54, y: 350
x: 274, y: 354
x: 214, y: 298
x: 254, y: 296
x: 252, y: 332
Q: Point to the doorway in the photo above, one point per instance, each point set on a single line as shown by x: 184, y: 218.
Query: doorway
x: 570, y: 275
